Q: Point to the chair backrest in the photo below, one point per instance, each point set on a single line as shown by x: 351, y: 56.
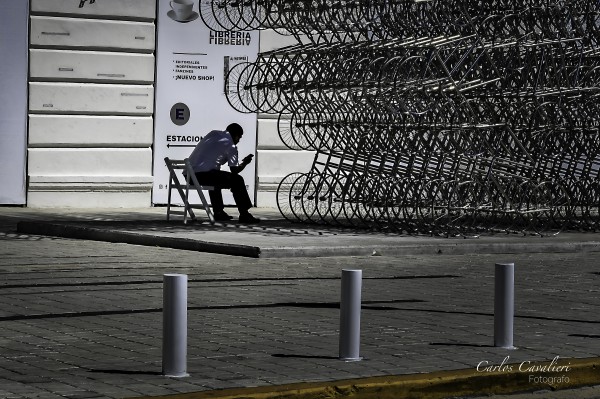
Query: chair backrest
x: 183, y: 189
x: 174, y: 164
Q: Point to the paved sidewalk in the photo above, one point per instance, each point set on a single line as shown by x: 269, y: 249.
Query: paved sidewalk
x: 82, y: 318
x: 275, y: 236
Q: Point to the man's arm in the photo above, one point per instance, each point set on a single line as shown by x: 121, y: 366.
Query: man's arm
x: 237, y: 169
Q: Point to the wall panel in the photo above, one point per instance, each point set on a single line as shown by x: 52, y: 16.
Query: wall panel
x: 90, y: 162
x: 89, y: 131
x: 275, y: 161
x: 91, y: 98
x: 118, y: 9
x: 91, y: 34
x: 91, y: 66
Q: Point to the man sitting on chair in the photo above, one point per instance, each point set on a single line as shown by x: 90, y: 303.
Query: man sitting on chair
x: 214, y: 150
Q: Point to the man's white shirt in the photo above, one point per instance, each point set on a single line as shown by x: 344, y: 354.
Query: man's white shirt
x: 215, y: 149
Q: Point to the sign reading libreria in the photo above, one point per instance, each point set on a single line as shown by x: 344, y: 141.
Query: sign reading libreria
x: 13, y: 99
x: 192, y: 64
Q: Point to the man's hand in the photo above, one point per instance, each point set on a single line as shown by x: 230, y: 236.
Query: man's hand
x: 247, y: 159
x: 237, y: 169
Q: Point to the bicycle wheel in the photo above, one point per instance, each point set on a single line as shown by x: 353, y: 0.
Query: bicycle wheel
x: 302, y: 191
x: 284, y: 190
x: 239, y: 100
x: 206, y: 14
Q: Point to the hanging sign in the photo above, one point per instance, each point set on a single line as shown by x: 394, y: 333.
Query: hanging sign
x: 192, y: 62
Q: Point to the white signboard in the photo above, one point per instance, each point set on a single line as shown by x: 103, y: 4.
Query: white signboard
x: 191, y: 65
x: 14, y: 26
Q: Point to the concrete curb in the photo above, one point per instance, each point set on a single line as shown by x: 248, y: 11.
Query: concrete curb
x: 87, y: 233
x: 461, y: 248
x: 437, y: 385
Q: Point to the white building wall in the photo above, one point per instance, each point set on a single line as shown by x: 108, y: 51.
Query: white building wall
x: 91, y: 101
x: 274, y: 160
x: 91, y: 93
x: 14, y: 42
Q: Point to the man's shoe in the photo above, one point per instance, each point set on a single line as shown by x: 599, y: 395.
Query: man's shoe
x: 248, y: 218
x: 222, y: 217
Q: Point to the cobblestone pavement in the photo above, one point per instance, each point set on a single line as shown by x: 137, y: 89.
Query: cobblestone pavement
x: 82, y: 319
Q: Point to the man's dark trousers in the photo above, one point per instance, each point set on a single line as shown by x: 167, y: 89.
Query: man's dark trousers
x: 220, y: 179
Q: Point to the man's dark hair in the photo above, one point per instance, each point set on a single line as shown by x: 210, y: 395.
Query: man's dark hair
x: 235, y: 130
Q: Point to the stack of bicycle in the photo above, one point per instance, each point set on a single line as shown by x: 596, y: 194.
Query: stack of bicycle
x: 441, y: 117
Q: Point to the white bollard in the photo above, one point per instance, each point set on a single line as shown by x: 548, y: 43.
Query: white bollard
x: 174, y: 362
x: 350, y: 315
x: 504, y: 305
